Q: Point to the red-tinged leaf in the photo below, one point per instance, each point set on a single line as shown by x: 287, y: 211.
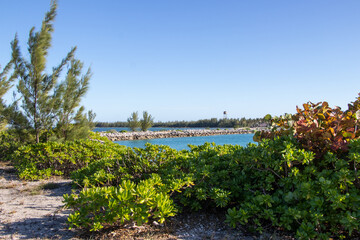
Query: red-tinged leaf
x: 350, y: 129
x: 298, y: 110
x: 306, y: 106
x: 325, y: 105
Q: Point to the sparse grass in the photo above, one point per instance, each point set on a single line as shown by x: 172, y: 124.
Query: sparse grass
x: 49, y: 186
x: 35, y: 191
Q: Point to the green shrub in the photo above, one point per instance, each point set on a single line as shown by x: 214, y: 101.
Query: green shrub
x: 112, y: 131
x: 8, y: 145
x: 213, y: 172
x: 94, y: 207
x: 37, y: 161
x: 292, y: 192
x: 135, y: 164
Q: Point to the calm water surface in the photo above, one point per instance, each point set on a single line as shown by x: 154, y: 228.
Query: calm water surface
x: 182, y: 143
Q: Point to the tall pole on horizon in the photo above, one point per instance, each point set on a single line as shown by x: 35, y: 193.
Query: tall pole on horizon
x: 225, y: 115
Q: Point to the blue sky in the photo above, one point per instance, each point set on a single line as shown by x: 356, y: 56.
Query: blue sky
x: 193, y: 59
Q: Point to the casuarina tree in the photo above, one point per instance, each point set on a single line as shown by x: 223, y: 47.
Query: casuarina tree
x: 147, y: 121
x: 5, y: 85
x: 71, y: 121
x: 133, y: 121
x: 42, y: 98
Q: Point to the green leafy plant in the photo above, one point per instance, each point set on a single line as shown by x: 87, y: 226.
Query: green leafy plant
x: 42, y: 160
x: 8, y: 144
x: 94, y: 207
x: 134, y: 164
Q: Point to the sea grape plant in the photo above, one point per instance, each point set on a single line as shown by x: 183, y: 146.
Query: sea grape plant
x: 42, y: 160
x: 318, y: 127
x: 150, y: 198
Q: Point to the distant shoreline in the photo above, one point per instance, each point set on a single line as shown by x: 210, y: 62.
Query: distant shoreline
x: 122, y: 136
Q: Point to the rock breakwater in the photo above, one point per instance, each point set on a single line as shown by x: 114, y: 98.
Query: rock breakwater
x: 120, y: 136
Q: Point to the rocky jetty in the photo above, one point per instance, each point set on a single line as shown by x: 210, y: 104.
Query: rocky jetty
x: 119, y: 136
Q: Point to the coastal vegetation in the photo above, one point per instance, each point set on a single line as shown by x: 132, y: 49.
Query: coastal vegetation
x: 283, y: 181
x: 301, y: 177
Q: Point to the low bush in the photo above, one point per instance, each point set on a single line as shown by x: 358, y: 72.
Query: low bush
x: 8, y: 145
x: 318, y: 127
x: 292, y: 192
x: 150, y: 198
x: 135, y: 164
x: 275, y: 183
x: 42, y: 160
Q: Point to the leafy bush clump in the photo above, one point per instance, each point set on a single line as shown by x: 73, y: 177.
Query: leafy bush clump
x: 37, y: 161
x: 135, y: 164
x: 284, y: 187
x: 150, y: 198
x: 214, y: 172
x: 318, y: 127
x: 8, y: 144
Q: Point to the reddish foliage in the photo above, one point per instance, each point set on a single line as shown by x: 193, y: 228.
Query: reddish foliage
x: 318, y: 127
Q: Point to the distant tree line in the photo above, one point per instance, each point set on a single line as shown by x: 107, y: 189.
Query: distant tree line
x: 203, y: 123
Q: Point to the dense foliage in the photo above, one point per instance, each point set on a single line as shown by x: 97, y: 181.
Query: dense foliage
x: 275, y: 182
x: 42, y: 160
x: 8, y: 145
x: 126, y: 202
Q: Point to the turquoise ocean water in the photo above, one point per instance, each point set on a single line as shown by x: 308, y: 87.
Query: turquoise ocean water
x: 183, y: 142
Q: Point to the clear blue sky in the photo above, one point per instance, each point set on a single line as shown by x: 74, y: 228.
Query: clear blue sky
x: 190, y: 60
